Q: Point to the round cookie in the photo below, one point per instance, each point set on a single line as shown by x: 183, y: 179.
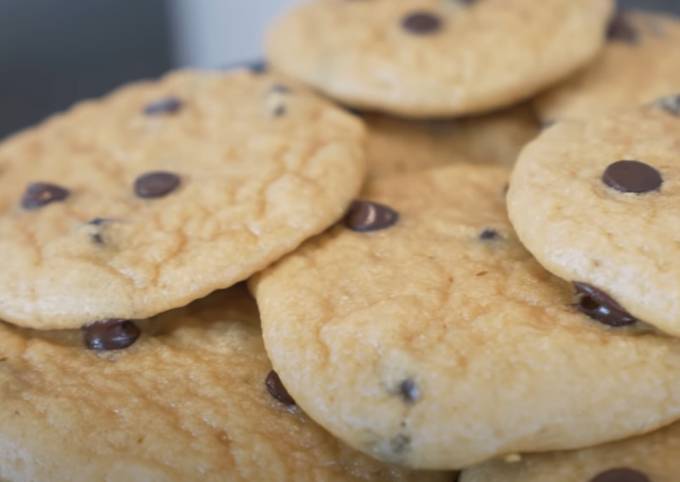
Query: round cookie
x: 423, y: 333
x: 166, y: 191
x: 435, y: 58
x: 396, y: 146
x: 651, y: 458
x: 187, y: 402
x: 594, y: 201
x: 636, y: 66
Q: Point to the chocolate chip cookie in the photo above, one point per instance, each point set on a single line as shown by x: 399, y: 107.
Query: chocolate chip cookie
x: 421, y: 331
x: 193, y: 399
x: 594, y: 201
x: 435, y: 58
x: 396, y: 146
x: 651, y: 458
x: 166, y: 191
x: 636, y: 66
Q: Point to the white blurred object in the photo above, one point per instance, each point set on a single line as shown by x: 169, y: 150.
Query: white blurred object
x: 214, y: 33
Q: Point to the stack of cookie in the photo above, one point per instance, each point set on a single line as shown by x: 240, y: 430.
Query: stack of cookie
x: 438, y: 285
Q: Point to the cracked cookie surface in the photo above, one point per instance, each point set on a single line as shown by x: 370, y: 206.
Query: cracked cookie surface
x: 635, y: 67
x: 436, y: 58
x: 650, y: 458
x: 166, y: 191
x: 423, y: 333
x: 187, y: 402
x: 595, y: 202
x: 396, y: 146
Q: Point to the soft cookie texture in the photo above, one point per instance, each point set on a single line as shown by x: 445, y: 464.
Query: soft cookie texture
x: 596, y: 202
x: 191, y: 400
x: 637, y: 66
x: 432, y: 58
x: 651, y: 458
x: 396, y: 146
x: 421, y: 332
x: 166, y: 191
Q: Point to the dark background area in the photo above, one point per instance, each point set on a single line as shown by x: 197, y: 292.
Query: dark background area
x: 53, y: 53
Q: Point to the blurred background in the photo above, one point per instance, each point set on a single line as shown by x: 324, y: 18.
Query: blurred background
x: 53, y: 53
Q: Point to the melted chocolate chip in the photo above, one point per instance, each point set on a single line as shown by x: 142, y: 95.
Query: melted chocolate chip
x: 41, y: 194
x: 277, y: 390
x: 169, y: 105
x: 489, y: 235
x: 110, y: 335
x: 409, y: 391
x: 621, y: 30
x: 670, y: 104
x: 632, y: 177
x: 621, y: 475
x: 156, y: 184
x: 365, y: 216
x: 422, y: 23
x: 601, y: 307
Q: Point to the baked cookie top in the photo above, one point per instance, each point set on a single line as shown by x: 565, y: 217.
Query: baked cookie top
x: 396, y: 146
x: 636, y: 67
x: 436, y: 58
x: 650, y: 458
x: 193, y: 399
x: 595, y: 202
x: 166, y: 191
x: 423, y: 333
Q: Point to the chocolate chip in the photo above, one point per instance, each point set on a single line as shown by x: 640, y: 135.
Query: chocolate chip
x: 599, y: 306
x: 547, y: 124
x: 277, y: 390
x: 632, y: 177
x: 156, y: 184
x: 620, y: 29
x: 41, y: 194
x: 365, y: 216
x: 169, y: 105
x: 400, y: 444
x: 98, y: 221
x: 409, y: 391
x: 422, y: 23
x: 489, y: 235
x: 670, y: 104
x: 621, y: 475
x: 110, y: 335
